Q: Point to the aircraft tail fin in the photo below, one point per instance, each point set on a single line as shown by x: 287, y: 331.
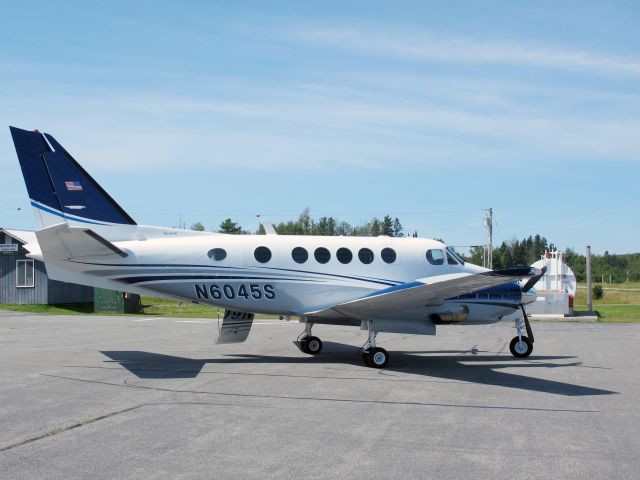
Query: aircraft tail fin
x: 59, y: 188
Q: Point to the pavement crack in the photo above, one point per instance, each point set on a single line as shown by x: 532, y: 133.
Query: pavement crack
x: 57, y: 431
x: 126, y: 384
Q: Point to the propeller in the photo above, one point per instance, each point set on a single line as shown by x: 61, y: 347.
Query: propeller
x: 533, y: 280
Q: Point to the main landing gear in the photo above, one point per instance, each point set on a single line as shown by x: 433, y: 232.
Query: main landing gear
x: 308, y: 343
x: 521, y: 346
x: 372, y: 355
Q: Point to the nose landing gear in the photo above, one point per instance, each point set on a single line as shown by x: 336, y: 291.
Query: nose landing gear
x: 521, y: 346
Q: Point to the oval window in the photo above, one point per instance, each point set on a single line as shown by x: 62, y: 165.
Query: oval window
x: 217, y: 254
x: 299, y: 255
x: 365, y: 255
x: 322, y: 255
x: 344, y: 255
x: 262, y: 254
x: 435, y: 257
x: 388, y: 255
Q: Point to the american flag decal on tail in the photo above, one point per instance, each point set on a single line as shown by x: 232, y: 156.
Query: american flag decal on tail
x: 71, y: 186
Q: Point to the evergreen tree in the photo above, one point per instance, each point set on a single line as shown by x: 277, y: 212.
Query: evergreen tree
x: 325, y: 226
x: 198, y: 227
x: 228, y: 226
x: 386, y: 227
x: 397, y: 228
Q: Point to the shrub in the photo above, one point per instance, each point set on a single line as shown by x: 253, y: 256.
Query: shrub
x: 598, y: 291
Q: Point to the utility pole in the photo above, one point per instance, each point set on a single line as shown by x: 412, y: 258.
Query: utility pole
x: 488, y: 221
x: 589, y: 299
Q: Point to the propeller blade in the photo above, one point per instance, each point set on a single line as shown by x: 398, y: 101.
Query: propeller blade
x: 533, y: 280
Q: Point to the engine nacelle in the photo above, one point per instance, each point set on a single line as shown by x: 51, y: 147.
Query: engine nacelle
x: 457, y: 315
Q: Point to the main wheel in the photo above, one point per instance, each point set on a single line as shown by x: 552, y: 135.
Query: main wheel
x: 378, y: 357
x: 313, y: 345
x: 521, y: 347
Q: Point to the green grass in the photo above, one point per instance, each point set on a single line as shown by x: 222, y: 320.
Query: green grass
x: 615, y: 294
x: 61, y: 309
x: 157, y: 307
x: 614, y: 313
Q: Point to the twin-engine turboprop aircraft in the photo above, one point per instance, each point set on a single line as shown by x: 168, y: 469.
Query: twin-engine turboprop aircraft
x: 380, y: 284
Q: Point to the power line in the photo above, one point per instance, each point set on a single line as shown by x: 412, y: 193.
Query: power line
x: 343, y: 214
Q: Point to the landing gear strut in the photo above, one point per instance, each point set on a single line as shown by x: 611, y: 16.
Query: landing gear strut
x: 522, y: 345
x: 308, y: 343
x: 373, y: 356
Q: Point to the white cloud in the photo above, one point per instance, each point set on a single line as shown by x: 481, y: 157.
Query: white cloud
x: 463, y: 50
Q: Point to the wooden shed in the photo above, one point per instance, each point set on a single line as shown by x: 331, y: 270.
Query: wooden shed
x: 24, y: 280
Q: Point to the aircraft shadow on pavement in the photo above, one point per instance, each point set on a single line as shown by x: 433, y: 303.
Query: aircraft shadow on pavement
x: 481, y: 368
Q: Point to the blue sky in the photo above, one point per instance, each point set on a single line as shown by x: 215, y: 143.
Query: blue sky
x: 429, y: 111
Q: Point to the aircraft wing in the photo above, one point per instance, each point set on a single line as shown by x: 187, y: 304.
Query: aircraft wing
x: 62, y: 242
x: 409, y: 298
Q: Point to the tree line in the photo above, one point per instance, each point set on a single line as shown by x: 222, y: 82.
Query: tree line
x: 620, y: 268
x: 305, y: 224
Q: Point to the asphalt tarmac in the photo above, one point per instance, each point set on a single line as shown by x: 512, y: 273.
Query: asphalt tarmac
x: 130, y: 397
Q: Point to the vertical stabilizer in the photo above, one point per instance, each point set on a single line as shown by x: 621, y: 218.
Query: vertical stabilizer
x: 59, y: 188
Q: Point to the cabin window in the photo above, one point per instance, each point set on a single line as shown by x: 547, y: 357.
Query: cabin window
x: 455, y: 255
x: 262, y: 254
x: 299, y: 255
x: 435, y: 257
x: 365, y: 255
x: 388, y: 255
x: 217, y: 254
x: 25, y: 277
x: 322, y: 255
x: 344, y: 255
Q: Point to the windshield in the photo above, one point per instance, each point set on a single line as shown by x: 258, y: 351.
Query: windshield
x: 453, y: 253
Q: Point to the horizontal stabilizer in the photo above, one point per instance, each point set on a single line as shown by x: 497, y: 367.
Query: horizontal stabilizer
x: 61, y: 242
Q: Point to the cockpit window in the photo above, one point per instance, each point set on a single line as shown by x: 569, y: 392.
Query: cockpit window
x: 457, y: 257
x: 450, y: 259
x: 435, y: 257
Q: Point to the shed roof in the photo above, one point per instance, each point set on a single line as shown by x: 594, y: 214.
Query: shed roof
x: 22, y: 236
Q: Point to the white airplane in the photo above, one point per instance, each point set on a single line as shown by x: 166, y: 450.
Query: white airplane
x: 379, y: 284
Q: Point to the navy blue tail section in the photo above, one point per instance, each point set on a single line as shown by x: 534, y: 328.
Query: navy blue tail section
x: 58, y: 185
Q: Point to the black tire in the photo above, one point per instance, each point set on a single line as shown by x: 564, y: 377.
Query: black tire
x: 304, y: 346
x: 378, y: 357
x: 365, y: 358
x: 518, y: 350
x: 314, y: 345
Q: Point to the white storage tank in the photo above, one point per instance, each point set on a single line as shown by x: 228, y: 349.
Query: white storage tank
x: 556, y: 289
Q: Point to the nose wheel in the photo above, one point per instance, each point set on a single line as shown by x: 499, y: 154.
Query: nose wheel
x: 521, y: 347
